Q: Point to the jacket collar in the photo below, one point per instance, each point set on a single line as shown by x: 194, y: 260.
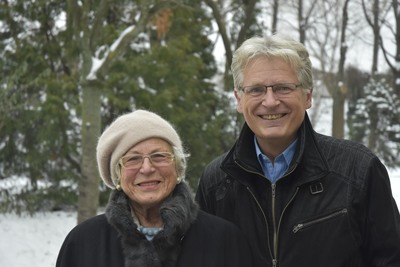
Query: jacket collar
x: 308, y: 162
x: 178, y: 212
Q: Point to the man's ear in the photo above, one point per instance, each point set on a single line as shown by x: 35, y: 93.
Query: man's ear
x: 238, y: 101
x: 309, y: 98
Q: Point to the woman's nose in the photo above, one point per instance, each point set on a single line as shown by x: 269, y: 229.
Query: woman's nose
x: 146, y: 165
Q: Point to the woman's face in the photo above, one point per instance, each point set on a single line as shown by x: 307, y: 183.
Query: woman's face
x: 148, y: 186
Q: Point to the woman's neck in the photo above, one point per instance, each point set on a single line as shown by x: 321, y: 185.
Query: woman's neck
x: 148, y: 217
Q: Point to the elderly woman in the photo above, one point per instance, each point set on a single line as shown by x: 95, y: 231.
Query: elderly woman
x: 151, y: 218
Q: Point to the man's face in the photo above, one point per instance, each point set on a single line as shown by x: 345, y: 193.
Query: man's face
x: 273, y: 118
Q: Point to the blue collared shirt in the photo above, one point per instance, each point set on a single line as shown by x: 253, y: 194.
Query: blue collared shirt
x: 274, y: 171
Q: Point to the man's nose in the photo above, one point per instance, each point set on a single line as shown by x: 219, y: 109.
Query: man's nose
x: 270, y: 98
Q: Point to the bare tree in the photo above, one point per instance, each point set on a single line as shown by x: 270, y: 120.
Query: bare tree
x: 229, y: 41
x: 339, y: 95
x: 307, y: 15
x: 375, y: 17
x: 393, y: 60
x: 275, y: 11
x: 304, y: 17
x: 327, y: 37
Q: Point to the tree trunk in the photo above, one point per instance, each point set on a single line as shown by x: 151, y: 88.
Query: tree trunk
x: 340, y: 93
x: 338, y: 112
x: 249, y: 8
x: 275, y: 10
x: 376, y: 29
x: 300, y: 18
x: 91, y: 94
x: 89, y: 182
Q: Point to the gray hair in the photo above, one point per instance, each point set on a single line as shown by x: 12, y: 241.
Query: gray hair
x: 274, y: 46
x: 180, y: 162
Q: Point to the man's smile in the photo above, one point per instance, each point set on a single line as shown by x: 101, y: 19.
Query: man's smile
x: 272, y: 116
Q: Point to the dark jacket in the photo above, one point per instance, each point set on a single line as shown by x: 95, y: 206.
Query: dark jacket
x: 333, y: 207
x: 190, y: 238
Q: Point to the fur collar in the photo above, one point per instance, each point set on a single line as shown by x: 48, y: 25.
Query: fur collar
x: 178, y: 212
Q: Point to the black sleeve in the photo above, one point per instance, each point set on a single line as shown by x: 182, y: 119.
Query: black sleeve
x: 208, y: 183
x: 382, y: 220
x: 91, y: 243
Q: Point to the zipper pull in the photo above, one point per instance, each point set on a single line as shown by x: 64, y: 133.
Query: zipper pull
x: 297, y: 227
x: 274, y: 262
x: 273, y: 186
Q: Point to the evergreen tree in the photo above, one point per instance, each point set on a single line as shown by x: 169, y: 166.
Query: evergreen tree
x: 377, y: 120
x: 39, y: 129
x: 172, y: 75
x: 167, y: 69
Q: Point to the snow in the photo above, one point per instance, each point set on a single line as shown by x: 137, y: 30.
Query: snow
x: 97, y: 63
x: 395, y: 183
x: 34, y: 241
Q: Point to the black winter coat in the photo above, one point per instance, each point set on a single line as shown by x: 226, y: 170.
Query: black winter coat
x: 190, y: 238
x: 333, y: 207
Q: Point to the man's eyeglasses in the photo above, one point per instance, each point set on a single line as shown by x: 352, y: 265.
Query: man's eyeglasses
x: 280, y: 89
x: 135, y: 161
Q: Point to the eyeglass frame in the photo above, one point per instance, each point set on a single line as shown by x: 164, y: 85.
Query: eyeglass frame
x: 273, y: 88
x: 170, y: 156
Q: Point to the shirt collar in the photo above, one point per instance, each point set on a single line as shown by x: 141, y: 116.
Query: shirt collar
x: 287, y: 154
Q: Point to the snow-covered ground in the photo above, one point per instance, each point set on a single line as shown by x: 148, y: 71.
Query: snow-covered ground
x: 395, y: 182
x: 35, y: 241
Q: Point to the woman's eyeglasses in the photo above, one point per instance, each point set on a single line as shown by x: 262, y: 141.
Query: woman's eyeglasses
x: 157, y: 159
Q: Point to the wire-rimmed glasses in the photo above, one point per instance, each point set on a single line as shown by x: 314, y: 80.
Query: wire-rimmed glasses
x: 157, y: 159
x: 279, y: 89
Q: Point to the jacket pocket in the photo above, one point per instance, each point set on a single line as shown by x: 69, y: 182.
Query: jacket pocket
x: 301, y: 226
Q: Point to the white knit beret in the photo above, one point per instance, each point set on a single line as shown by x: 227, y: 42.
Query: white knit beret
x: 126, y: 131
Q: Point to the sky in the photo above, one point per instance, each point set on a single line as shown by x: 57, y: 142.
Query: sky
x: 359, y: 36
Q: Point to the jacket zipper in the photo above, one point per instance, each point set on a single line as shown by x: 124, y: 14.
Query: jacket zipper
x: 300, y: 226
x: 274, y: 255
x: 273, y: 187
x: 265, y: 220
x: 276, y: 229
